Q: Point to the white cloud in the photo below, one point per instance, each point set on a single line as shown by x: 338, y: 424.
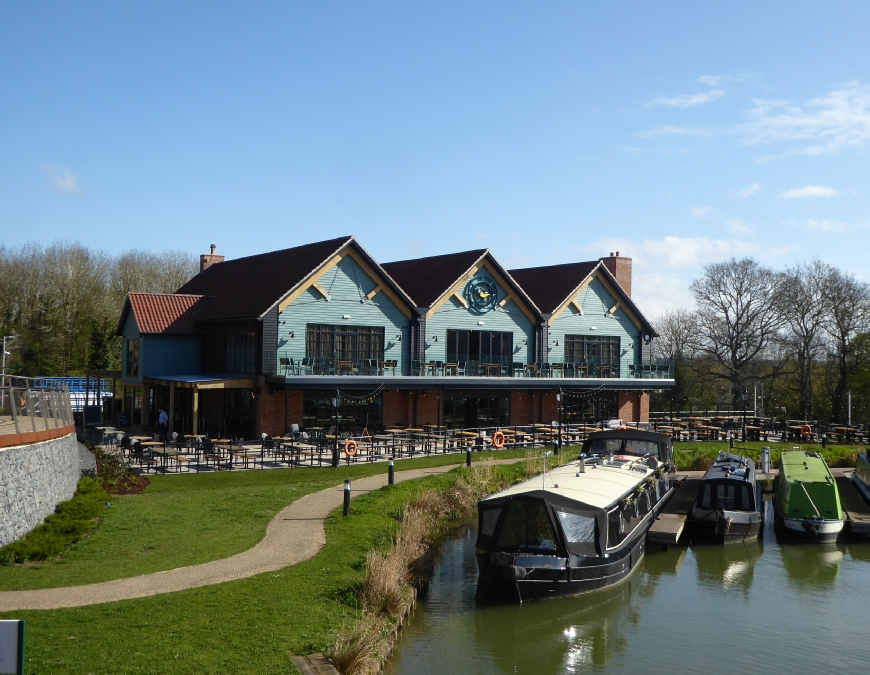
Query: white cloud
x: 829, y: 226
x: 716, y: 80
x: 700, y: 211
x: 808, y: 191
x: 832, y: 123
x: 62, y: 180
x: 686, y: 100
x: 750, y: 190
x: 481, y: 236
x: 737, y: 227
x: 672, y: 130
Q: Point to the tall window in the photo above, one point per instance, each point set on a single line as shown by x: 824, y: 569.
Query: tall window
x: 241, y: 353
x: 594, y: 352
x: 344, y: 343
x: 485, y: 346
x: 132, y: 358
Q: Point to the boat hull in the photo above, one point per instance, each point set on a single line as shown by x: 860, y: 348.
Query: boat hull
x: 555, y: 582
x: 727, y: 527
x: 808, y: 529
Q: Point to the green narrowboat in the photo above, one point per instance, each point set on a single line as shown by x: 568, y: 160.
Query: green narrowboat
x: 806, y: 500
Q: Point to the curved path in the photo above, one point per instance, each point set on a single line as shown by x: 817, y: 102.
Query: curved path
x: 295, y: 534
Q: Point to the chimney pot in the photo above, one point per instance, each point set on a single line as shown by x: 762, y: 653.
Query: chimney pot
x: 611, y: 254
x: 213, y: 247
x: 617, y: 254
x: 208, y: 259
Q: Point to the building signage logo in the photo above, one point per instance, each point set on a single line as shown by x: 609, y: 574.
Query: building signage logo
x: 481, y: 294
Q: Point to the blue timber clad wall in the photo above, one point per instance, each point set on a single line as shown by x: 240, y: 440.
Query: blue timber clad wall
x: 170, y: 355
x: 596, y: 302
x: 453, y: 315
x: 131, y: 332
x: 346, y: 284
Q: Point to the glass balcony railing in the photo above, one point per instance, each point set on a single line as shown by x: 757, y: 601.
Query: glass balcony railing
x: 283, y: 365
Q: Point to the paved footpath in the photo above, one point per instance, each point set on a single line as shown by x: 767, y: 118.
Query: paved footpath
x: 295, y: 534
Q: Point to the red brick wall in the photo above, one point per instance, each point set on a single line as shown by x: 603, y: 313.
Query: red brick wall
x: 396, y: 408
x: 270, y: 411
x: 549, y: 407
x: 427, y: 408
x: 634, y: 406
x: 522, y: 408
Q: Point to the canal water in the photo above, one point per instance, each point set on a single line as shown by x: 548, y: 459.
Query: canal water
x: 766, y: 607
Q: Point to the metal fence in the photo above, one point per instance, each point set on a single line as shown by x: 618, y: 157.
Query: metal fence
x: 30, y: 404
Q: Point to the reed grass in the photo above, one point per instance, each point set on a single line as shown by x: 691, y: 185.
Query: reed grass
x: 395, y: 575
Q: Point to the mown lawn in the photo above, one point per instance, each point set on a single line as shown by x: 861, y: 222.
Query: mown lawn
x: 246, y: 626
x: 186, y: 519
x: 697, y: 455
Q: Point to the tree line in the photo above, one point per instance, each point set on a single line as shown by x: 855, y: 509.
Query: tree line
x: 801, y: 335
x: 62, y: 302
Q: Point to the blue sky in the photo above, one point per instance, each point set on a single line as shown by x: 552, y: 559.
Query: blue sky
x: 677, y: 133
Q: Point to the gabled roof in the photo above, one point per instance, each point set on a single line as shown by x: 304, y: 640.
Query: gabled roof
x: 247, y: 288
x: 554, y: 286
x: 427, y: 279
x: 163, y: 313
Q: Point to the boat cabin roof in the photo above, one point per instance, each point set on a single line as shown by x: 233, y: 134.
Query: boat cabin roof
x: 805, y: 466
x: 599, y: 487
x: 731, y: 467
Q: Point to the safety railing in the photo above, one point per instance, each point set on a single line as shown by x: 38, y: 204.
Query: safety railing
x: 33, y: 404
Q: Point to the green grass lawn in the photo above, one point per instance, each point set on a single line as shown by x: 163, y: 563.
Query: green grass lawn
x: 186, y: 519
x: 697, y: 455
x: 246, y: 626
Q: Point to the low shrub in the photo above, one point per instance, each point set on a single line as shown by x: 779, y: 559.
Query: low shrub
x: 70, y: 521
x: 115, y: 475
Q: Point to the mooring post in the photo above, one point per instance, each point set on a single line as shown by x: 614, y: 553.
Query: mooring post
x: 346, y: 497
x: 392, y: 473
x: 824, y: 440
x: 467, y: 456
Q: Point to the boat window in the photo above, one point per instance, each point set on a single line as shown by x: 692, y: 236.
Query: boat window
x: 725, y: 497
x: 602, y: 446
x: 577, y: 528
x: 488, y: 521
x: 616, y: 528
x: 527, y: 527
x: 641, y: 447
x: 705, y: 497
x: 747, y: 504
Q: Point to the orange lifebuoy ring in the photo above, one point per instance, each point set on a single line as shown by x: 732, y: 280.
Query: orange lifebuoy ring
x: 621, y: 427
x: 806, y: 430
x: 350, y: 447
x: 498, y: 440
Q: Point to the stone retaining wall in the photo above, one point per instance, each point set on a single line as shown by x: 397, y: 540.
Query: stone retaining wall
x: 34, y: 478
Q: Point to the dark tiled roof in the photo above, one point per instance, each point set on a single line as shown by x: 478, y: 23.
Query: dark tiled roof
x: 427, y: 279
x: 167, y: 313
x: 549, y: 287
x: 245, y: 288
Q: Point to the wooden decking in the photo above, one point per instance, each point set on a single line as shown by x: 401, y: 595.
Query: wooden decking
x: 855, y: 509
x: 314, y: 664
x: 668, y: 527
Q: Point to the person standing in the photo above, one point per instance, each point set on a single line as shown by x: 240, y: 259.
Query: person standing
x: 162, y: 421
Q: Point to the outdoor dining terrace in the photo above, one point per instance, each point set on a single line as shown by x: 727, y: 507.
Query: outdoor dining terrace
x: 314, y: 447
x: 287, y: 366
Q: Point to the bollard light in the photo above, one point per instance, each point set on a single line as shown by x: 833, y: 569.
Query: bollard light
x: 346, y: 497
x: 467, y: 456
x: 392, y: 473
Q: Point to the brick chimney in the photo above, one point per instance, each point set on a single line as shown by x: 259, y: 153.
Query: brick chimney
x: 621, y: 269
x: 209, y: 259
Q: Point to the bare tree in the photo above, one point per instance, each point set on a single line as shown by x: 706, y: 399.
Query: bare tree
x: 804, y: 312
x: 738, y: 318
x: 848, y: 304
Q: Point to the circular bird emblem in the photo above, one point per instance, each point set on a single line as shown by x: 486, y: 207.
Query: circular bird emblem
x: 481, y: 294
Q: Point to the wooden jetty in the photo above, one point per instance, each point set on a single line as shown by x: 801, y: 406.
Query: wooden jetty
x: 855, y: 510
x: 313, y: 664
x: 668, y: 527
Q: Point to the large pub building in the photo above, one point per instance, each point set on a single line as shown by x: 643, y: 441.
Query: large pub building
x: 255, y: 345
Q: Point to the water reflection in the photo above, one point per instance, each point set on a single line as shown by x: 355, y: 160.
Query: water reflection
x: 811, y: 566
x: 577, y: 632
x: 727, y: 566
